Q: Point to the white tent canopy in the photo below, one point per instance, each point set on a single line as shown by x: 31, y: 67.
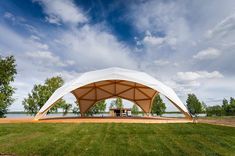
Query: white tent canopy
x: 91, y: 87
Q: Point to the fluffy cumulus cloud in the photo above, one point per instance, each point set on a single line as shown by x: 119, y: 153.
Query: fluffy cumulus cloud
x: 192, y: 76
x: 47, y: 58
x: 95, y: 48
x: 149, y: 39
x: 92, y: 46
x: 62, y: 11
x: 209, y: 53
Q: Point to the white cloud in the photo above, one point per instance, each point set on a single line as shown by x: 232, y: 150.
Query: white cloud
x: 41, y: 55
x: 206, y: 54
x: 161, y: 62
x: 192, y: 76
x: 35, y: 38
x: 53, y: 19
x: 65, y: 11
x: 223, y: 28
x: 152, y: 40
x: 46, y: 58
x: 193, y: 82
x: 159, y: 16
x: 93, y: 47
x: 9, y: 15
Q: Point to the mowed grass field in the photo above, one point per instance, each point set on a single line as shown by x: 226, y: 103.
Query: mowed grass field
x: 116, y: 139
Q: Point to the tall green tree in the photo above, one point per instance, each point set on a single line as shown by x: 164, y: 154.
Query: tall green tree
x: 225, y: 106
x: 228, y: 106
x: 203, y: 106
x: 134, y: 109
x: 117, y: 103
x: 99, y: 107
x: 112, y: 104
x: 193, y: 104
x: 7, y: 75
x: 158, y: 106
x: 66, y: 107
x: 41, y: 93
x: 76, y: 110
x: 232, y: 106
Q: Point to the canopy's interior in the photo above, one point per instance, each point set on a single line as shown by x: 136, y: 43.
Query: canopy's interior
x: 89, y: 94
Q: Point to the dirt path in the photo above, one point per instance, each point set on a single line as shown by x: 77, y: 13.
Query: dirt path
x: 97, y: 120
x: 222, y: 121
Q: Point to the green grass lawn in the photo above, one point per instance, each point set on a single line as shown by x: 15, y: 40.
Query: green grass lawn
x: 116, y: 139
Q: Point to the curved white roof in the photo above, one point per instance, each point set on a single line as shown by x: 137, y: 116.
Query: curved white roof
x: 111, y: 74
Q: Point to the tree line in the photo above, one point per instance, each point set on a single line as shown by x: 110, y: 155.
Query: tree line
x: 41, y: 93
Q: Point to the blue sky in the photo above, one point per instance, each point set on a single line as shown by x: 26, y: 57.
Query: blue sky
x: 188, y: 45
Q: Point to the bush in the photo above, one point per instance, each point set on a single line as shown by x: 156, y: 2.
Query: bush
x: 214, y: 111
x: 229, y: 107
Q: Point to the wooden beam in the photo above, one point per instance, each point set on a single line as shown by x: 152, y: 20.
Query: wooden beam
x: 105, y: 90
x: 115, y: 88
x: 86, y: 93
x: 132, y: 85
x: 143, y: 99
x: 143, y: 92
x: 95, y: 91
x: 85, y: 87
x: 107, y: 84
x: 88, y: 99
x: 134, y: 91
x: 124, y: 91
x: 140, y: 106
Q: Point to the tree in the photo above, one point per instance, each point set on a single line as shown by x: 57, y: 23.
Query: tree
x: 76, y: 110
x: 41, y: 93
x: 119, y: 103
x: 66, y: 108
x: 134, y: 109
x: 203, y: 107
x: 214, y: 110
x: 193, y: 104
x: 232, y: 106
x: 112, y: 104
x: 158, y: 106
x: 7, y: 75
x: 228, y: 107
x: 225, y: 107
x: 97, y: 108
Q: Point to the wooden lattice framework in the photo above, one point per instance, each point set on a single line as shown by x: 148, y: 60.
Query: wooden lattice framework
x: 90, y: 94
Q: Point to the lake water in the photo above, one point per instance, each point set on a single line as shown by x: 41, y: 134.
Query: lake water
x: 20, y: 115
